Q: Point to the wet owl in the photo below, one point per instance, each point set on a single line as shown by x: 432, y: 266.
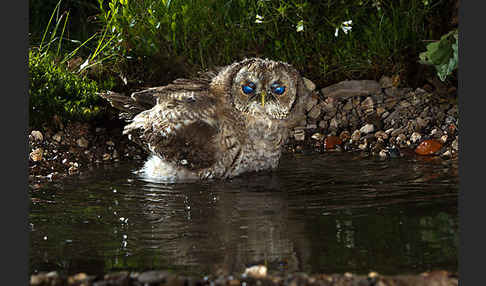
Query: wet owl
x: 219, y: 125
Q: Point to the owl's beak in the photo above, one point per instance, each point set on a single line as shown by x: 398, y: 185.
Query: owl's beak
x: 263, y: 98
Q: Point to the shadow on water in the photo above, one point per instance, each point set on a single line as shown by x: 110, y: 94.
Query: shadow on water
x: 327, y: 213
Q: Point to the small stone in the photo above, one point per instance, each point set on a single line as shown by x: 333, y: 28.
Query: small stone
x: 386, y: 82
x: 455, y: 144
x: 367, y: 105
x: 115, y: 154
x: 443, y: 138
x: 415, y: 137
x: 37, y: 135
x: 368, y: 128
x: 309, y: 84
x: 380, y: 110
x: 110, y: 143
x: 383, y: 153
x: 348, y: 106
x: 314, y: 112
x: 323, y: 124
x: 311, y: 102
x: 389, y: 131
x: 446, y: 154
x: 82, y: 142
x: 317, y: 136
x: 152, y: 277
x: 400, y: 138
x: 381, y: 135
x: 331, y: 142
x: 299, y: 135
x: 57, y: 137
x: 436, y: 133
x: 356, y: 135
x: 334, y: 124
x: 351, y: 88
x: 363, y: 145
x: 36, y: 155
x: 256, y: 271
x: 428, y: 147
x: 311, y: 126
x: 106, y: 157
x: 78, y: 278
x: 345, y: 135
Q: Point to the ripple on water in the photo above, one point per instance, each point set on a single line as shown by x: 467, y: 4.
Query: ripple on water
x: 328, y: 213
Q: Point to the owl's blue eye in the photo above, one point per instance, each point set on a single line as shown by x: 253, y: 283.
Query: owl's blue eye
x: 278, y: 89
x: 248, y: 88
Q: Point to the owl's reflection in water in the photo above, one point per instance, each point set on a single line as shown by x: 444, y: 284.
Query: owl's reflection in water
x: 217, y: 126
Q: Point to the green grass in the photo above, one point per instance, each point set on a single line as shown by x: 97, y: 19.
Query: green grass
x: 383, y: 39
x: 148, y: 42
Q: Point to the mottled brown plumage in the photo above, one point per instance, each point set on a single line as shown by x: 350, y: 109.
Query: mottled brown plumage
x: 212, y: 127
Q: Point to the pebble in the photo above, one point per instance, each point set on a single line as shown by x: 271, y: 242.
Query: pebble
x: 345, y: 135
x: 57, y: 137
x: 256, y: 271
x: 36, y: 155
x: 331, y: 142
x: 106, y: 156
x: 381, y: 135
x: 317, y: 136
x: 415, y: 137
x: 356, y: 135
x: 299, y: 135
x: 368, y: 128
x: 37, y: 135
x: 428, y: 147
x: 309, y: 84
x: 152, y: 277
x: 82, y: 142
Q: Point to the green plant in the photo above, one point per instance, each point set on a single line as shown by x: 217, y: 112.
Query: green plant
x: 55, y: 89
x: 442, y: 54
x: 382, y: 37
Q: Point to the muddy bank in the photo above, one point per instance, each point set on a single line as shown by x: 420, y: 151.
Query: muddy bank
x: 374, y: 118
x: 439, y: 278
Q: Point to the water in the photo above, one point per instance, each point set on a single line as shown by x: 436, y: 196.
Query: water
x: 327, y: 213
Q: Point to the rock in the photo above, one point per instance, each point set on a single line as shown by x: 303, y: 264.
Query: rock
x: 443, y: 138
x: 311, y: 126
x: 348, y: 106
x: 400, y: 138
x: 309, y: 84
x: 415, y: 137
x: 428, y: 147
x: 455, y: 144
x: 334, y: 124
x: 58, y: 136
x: 331, y: 142
x: 356, y: 135
x: 311, y: 102
x: 256, y: 271
x: 351, y: 88
x: 110, y: 143
x: 36, y: 155
x: 422, y: 123
x: 152, y: 277
x: 299, y: 135
x: 380, y: 110
x: 323, y: 124
x: 36, y: 135
x: 314, y: 112
x: 381, y: 135
x: 383, y: 153
x: 317, y: 136
x: 367, y: 105
x: 82, y: 142
x: 106, y: 157
x: 368, y: 128
x: 386, y: 82
x: 344, y: 136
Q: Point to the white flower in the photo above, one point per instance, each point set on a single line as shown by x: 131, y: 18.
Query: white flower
x: 300, y: 26
x: 346, y: 26
x: 259, y: 19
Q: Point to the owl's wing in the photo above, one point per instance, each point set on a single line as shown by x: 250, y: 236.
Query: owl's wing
x: 183, y: 128
x: 129, y: 106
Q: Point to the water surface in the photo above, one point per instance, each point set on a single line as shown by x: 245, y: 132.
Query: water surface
x: 327, y: 213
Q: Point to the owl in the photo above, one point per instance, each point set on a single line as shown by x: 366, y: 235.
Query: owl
x: 218, y: 125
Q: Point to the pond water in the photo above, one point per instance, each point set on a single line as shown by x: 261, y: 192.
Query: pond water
x: 326, y: 213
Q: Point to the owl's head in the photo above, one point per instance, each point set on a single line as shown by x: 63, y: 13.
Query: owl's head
x: 262, y: 87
